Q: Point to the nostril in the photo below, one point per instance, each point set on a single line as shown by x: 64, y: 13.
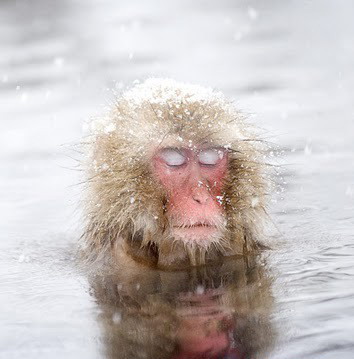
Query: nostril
x: 201, y: 199
x: 201, y: 195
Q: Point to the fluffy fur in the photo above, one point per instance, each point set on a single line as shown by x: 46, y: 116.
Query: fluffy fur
x: 125, y: 204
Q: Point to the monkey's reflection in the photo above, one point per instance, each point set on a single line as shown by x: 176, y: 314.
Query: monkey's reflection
x: 221, y: 311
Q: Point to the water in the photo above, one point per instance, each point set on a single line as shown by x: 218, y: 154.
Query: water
x: 288, y: 64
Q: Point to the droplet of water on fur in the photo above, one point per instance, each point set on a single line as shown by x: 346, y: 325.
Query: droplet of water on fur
x: 200, y: 290
x: 117, y: 317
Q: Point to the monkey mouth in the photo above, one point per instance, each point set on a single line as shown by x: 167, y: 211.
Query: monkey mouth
x: 195, y: 232
x: 196, y: 225
x: 198, y: 231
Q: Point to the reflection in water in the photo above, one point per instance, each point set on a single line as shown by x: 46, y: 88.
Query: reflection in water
x: 221, y: 311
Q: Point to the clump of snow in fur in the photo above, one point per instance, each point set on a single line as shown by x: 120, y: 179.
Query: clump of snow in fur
x: 162, y: 91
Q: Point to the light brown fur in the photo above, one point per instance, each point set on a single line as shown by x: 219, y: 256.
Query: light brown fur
x: 125, y: 204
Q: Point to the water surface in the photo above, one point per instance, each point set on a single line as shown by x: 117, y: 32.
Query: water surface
x: 288, y: 64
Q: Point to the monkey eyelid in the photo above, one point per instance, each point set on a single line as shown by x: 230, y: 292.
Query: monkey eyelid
x: 210, y: 156
x: 176, y: 156
x: 173, y: 157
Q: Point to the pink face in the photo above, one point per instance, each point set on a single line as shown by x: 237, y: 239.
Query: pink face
x: 193, y: 181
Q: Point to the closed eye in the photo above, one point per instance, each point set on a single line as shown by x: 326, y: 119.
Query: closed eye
x: 173, y: 157
x: 211, y: 156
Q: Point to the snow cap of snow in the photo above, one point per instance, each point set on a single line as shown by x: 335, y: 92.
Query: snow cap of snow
x: 165, y: 90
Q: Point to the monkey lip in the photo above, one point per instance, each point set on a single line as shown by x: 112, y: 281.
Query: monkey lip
x: 196, y: 230
x: 195, y: 225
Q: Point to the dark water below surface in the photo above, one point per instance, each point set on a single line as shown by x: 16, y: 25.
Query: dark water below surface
x: 287, y: 63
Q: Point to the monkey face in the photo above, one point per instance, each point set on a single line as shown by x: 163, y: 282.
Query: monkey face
x: 193, y: 180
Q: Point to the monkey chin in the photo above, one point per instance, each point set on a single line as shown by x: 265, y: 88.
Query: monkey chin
x: 198, y: 235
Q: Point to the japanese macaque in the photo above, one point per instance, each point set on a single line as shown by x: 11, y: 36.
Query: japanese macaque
x: 176, y: 178
x: 208, y: 312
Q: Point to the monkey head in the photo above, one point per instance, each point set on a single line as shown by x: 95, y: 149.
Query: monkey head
x: 175, y: 176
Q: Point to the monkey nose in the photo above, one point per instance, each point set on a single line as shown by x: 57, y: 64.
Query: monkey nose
x: 201, y: 196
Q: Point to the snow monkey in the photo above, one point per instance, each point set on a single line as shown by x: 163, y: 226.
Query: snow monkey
x: 175, y: 178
